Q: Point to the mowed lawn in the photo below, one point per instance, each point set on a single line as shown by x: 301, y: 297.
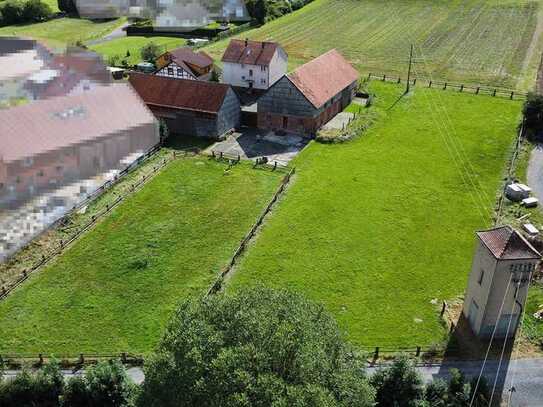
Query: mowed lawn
x: 477, y: 41
x: 379, y: 227
x: 62, y: 31
x: 115, y: 288
x: 133, y: 45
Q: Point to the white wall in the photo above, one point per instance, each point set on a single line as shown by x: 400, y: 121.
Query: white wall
x: 263, y: 77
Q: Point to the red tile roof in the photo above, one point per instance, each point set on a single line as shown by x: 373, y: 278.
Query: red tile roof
x: 183, y: 94
x: 505, y: 243
x: 250, y: 52
x: 185, y: 54
x: 47, y: 125
x: 324, y: 77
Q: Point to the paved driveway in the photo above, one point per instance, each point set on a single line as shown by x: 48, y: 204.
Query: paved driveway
x: 251, y: 144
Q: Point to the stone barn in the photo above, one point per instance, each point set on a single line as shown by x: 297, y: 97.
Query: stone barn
x: 302, y: 101
x: 189, y: 107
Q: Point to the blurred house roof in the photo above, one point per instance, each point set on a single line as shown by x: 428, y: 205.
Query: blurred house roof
x: 505, y: 243
x: 250, y: 52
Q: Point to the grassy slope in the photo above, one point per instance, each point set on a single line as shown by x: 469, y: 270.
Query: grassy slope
x: 134, y: 45
x: 378, y: 227
x: 463, y: 40
x: 62, y: 31
x: 101, y: 296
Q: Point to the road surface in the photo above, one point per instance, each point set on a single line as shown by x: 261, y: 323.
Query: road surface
x: 525, y: 374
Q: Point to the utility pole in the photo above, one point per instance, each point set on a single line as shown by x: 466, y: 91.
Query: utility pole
x: 409, y: 71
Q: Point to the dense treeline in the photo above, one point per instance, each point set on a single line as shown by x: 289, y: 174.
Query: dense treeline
x: 19, y: 12
x: 266, y: 10
x: 257, y: 347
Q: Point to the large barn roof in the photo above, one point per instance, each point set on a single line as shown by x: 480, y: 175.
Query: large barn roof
x: 250, y: 52
x: 505, y: 243
x: 50, y: 124
x: 183, y: 94
x: 323, y: 77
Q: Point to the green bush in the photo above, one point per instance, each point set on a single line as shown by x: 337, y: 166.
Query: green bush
x: 399, y: 384
x: 150, y: 52
x: 255, y: 347
x: 68, y: 6
x: 36, y: 11
x: 16, y: 12
x: 27, y: 389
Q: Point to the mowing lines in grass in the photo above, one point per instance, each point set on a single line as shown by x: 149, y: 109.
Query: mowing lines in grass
x: 470, y: 41
x: 114, y: 289
x: 378, y: 227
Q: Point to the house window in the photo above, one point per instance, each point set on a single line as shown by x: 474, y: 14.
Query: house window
x: 263, y: 81
x: 481, y: 277
x: 170, y: 71
x: 179, y: 72
x: 262, y: 68
x: 250, y: 72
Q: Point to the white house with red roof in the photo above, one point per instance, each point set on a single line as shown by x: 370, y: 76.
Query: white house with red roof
x: 502, y: 267
x: 253, y: 64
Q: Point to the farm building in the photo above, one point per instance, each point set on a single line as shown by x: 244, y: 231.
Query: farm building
x: 194, y: 108
x: 253, y: 64
x: 500, y: 274
x: 184, y: 63
x: 304, y: 100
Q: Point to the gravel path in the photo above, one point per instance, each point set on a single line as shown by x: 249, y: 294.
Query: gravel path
x: 534, y: 175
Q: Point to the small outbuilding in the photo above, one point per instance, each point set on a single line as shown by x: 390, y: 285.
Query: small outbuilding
x: 302, y: 101
x: 184, y: 63
x: 189, y: 107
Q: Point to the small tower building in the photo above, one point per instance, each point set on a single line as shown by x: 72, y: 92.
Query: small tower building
x: 502, y: 267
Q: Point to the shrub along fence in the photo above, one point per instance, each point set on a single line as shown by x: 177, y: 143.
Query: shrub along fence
x: 16, y: 361
x: 511, y: 94
x: 25, y: 274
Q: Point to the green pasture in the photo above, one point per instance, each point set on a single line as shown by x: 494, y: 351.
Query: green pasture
x: 381, y: 229
x: 115, y: 288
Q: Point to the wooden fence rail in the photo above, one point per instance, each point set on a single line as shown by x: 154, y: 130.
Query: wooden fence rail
x: 494, y: 91
x: 217, y: 285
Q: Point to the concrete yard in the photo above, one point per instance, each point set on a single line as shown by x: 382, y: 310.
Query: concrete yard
x: 251, y: 144
x: 339, y: 121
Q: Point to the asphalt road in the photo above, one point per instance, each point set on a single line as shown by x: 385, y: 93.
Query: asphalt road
x: 525, y: 374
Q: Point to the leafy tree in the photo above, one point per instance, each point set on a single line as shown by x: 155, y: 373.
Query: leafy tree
x: 12, y: 12
x: 27, y: 389
x: 68, y: 6
x: 255, y: 347
x: 398, y: 385
x: 258, y: 9
x: 482, y: 395
x: 533, y: 114
x: 150, y: 52
x: 436, y: 393
x: 458, y: 393
x: 36, y: 11
x: 163, y: 130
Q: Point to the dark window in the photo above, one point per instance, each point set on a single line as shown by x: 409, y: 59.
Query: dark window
x: 179, y: 72
x: 170, y: 71
x: 285, y: 122
x: 262, y: 81
x: 250, y: 72
x: 481, y: 277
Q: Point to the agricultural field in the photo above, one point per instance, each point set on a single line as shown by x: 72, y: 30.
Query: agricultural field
x: 381, y: 229
x: 472, y: 41
x: 62, y: 31
x: 120, y: 46
x: 114, y: 289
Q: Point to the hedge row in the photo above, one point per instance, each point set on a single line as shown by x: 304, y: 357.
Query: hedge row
x: 18, y: 12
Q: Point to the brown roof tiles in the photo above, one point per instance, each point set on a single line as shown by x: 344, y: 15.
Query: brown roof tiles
x: 323, y: 77
x: 250, y: 52
x: 505, y: 243
x: 185, y: 54
x: 184, y: 94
